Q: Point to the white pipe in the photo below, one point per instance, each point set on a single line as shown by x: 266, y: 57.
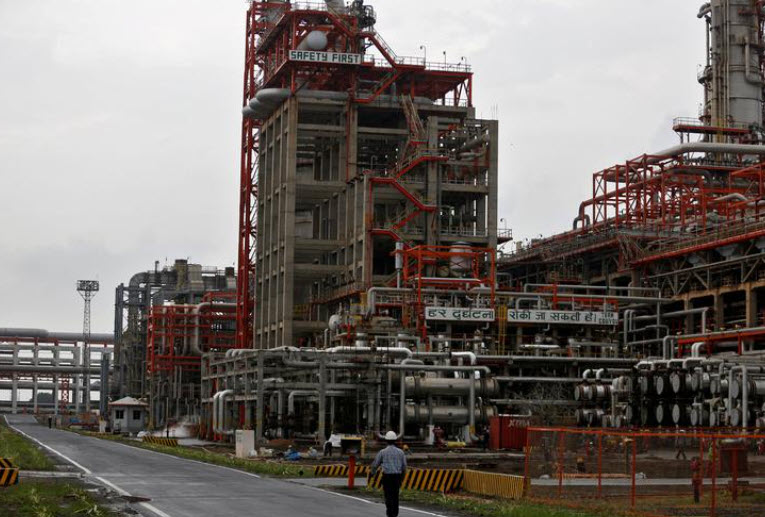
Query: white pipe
x: 195, y: 349
x: 696, y: 349
x: 395, y: 350
x: 222, y: 411
x: 668, y: 345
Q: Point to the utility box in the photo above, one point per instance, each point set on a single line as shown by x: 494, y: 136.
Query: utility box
x: 245, y: 442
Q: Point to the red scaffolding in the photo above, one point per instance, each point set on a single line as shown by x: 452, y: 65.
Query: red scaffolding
x: 176, y: 331
x: 273, y: 31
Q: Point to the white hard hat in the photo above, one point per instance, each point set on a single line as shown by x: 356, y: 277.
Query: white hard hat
x: 391, y: 436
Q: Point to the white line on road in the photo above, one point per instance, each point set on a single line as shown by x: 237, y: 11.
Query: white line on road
x: 51, y: 449
x: 371, y: 502
x: 124, y: 493
x: 87, y: 471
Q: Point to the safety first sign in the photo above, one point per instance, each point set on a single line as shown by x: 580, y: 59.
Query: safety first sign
x: 331, y: 58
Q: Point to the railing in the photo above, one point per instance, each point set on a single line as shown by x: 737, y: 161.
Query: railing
x: 694, y: 122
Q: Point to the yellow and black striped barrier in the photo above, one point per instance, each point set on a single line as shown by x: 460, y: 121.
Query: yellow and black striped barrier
x: 338, y: 471
x: 9, y: 473
x: 425, y: 480
x: 495, y: 485
x: 160, y: 440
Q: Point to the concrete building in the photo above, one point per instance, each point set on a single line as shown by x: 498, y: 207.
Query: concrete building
x: 128, y: 415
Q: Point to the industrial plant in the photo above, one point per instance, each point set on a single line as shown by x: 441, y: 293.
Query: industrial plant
x: 374, y: 290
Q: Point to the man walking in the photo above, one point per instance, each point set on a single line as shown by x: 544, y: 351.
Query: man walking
x: 393, y: 463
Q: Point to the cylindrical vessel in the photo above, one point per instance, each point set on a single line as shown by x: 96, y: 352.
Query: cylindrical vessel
x: 421, y: 387
x: 419, y: 414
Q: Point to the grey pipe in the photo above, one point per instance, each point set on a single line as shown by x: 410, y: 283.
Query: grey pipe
x: 42, y: 334
x: 28, y: 368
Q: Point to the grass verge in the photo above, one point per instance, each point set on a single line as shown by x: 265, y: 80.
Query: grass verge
x: 478, y: 507
x: 38, y: 498
x: 260, y: 467
x: 23, y: 453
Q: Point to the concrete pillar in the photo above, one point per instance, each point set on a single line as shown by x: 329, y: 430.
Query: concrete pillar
x: 492, y: 218
x: 56, y: 357
x: 75, y: 385
x: 688, y: 305
x: 751, y: 307
x: 260, y: 397
x: 15, y: 382
x: 719, y: 311
x: 321, y: 434
x: 35, y: 391
x: 247, y: 401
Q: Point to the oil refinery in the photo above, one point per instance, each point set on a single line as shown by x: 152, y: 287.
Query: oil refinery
x: 375, y: 291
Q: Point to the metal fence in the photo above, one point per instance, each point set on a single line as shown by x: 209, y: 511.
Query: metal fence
x: 658, y: 473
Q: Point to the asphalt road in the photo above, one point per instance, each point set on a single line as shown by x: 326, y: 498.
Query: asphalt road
x: 177, y: 487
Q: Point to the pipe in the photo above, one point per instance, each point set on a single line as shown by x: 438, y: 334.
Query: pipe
x: 394, y: 350
x: 42, y: 335
x: 195, y: 348
x: 696, y: 349
x: 310, y: 393
x: 222, y: 411
x: 667, y: 346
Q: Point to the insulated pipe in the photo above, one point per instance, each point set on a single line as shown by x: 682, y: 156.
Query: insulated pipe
x: 309, y: 393
x: 368, y: 350
x: 42, y: 334
x: 696, y: 349
x: 222, y: 411
x: 668, y: 344
x: 42, y: 369
x: 195, y: 348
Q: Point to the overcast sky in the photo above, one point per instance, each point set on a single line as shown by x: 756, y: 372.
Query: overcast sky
x: 119, y: 123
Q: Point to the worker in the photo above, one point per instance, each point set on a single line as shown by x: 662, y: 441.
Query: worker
x: 680, y: 441
x: 393, y: 463
x: 696, y: 476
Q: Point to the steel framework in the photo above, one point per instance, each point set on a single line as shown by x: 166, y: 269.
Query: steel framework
x: 273, y: 30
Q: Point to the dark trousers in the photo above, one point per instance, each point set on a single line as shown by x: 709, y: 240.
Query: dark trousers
x: 391, y: 485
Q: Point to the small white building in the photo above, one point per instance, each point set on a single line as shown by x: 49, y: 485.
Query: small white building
x: 128, y: 415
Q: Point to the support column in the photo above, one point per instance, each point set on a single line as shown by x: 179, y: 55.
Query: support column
x: 751, y: 307
x: 15, y: 381
x: 260, y: 397
x: 76, y: 380
x: 321, y: 434
x: 687, y: 305
x: 719, y: 311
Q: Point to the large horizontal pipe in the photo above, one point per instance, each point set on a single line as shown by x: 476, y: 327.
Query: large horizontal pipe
x: 6, y: 368
x: 423, y: 386
x: 446, y: 414
x: 45, y: 335
x: 550, y: 380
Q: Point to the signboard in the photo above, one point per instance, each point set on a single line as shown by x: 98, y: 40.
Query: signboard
x: 332, y: 58
x: 608, y: 318
x: 458, y: 314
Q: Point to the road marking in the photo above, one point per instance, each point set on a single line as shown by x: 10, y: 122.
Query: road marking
x: 88, y: 472
x: 371, y: 502
x: 51, y: 449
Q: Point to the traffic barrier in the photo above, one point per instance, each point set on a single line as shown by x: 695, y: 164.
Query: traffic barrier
x: 495, y: 485
x: 159, y: 440
x: 338, y: 471
x: 9, y: 473
x: 425, y: 480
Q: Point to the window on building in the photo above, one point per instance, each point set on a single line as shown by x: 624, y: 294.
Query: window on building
x: 119, y: 414
x: 136, y: 414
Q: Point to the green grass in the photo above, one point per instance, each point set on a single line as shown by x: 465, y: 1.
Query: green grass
x: 478, y: 507
x: 37, y: 498
x: 23, y: 453
x: 260, y: 467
